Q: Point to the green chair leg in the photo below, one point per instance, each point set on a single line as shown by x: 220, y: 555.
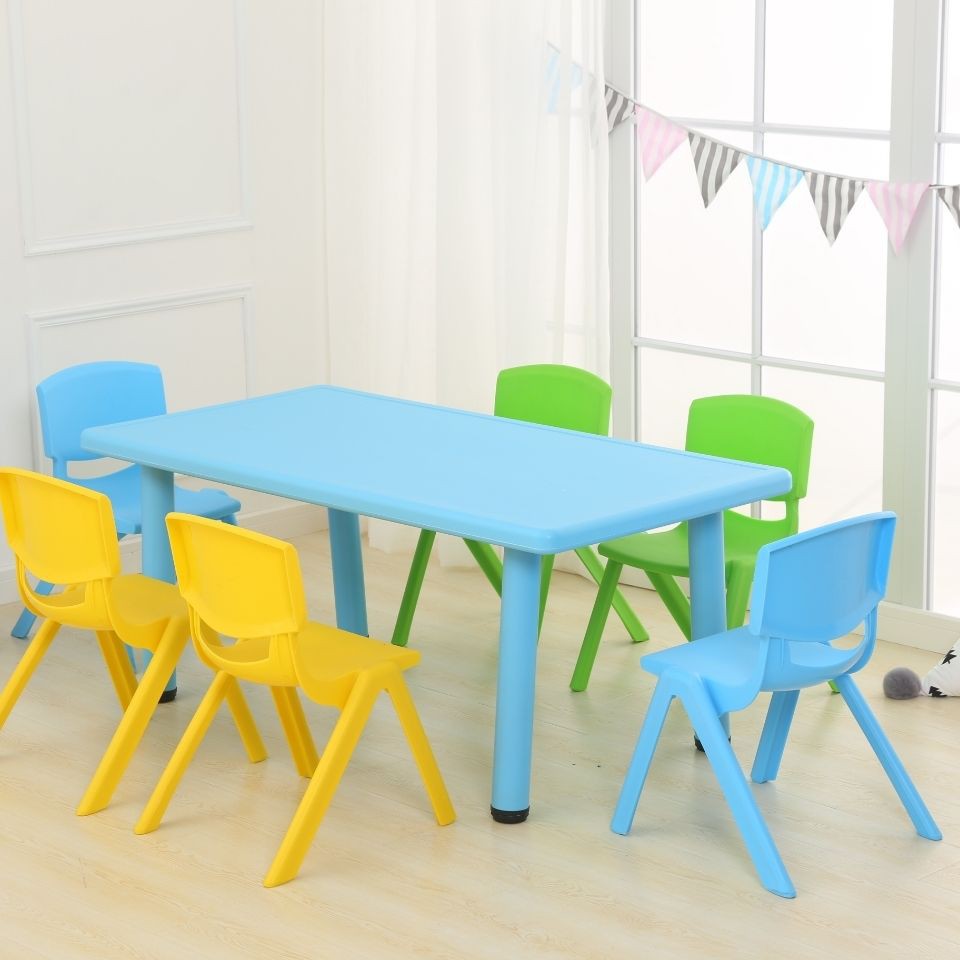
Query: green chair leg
x: 673, y: 599
x: 739, y: 584
x: 411, y: 592
x: 624, y: 611
x: 546, y: 571
x: 488, y: 561
x: 598, y: 618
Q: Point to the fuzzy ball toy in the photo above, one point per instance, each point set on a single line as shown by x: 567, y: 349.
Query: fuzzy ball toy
x: 901, y: 683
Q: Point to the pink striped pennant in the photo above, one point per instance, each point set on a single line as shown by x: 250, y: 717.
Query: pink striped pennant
x: 658, y: 139
x: 897, y: 204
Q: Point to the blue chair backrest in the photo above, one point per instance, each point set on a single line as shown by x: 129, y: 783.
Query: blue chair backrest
x: 822, y: 584
x: 90, y: 395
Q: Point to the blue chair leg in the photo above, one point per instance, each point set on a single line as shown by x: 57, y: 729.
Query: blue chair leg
x: 766, y: 764
x: 642, y: 757
x: 230, y: 518
x: 23, y: 626
x: 756, y: 836
x: 888, y: 758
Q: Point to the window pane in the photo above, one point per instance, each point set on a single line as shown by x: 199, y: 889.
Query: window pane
x: 846, y: 467
x: 670, y: 381
x: 821, y: 303
x: 695, y: 263
x: 945, y: 575
x: 696, y: 57
x: 947, y: 363
x: 951, y: 72
x: 828, y: 63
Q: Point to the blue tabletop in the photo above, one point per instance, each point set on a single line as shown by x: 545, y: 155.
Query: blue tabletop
x: 538, y: 489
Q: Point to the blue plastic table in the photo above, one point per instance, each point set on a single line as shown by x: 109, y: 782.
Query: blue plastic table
x: 532, y: 489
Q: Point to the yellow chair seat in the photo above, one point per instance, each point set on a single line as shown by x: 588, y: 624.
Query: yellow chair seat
x: 142, y: 607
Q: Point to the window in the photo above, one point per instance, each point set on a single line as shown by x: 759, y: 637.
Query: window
x: 945, y: 384
x: 723, y: 306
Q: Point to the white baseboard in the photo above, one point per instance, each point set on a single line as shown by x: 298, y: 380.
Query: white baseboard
x: 917, y: 628
x: 285, y: 521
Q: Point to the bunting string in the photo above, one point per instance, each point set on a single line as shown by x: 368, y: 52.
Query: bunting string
x: 833, y: 195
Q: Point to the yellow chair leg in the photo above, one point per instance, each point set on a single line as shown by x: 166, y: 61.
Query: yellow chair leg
x: 186, y: 748
x: 118, y: 663
x: 24, y: 669
x: 135, y: 719
x: 243, y: 719
x: 295, y: 728
x: 325, y: 779
x: 422, y: 752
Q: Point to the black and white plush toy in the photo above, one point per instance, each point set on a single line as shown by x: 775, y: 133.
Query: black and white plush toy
x: 902, y: 683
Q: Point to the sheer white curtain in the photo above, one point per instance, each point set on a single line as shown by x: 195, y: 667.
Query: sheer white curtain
x: 465, y: 174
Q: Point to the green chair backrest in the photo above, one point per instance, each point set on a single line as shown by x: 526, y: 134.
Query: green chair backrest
x: 757, y: 430
x: 554, y: 395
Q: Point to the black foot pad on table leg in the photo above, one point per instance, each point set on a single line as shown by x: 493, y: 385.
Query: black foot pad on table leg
x: 509, y: 816
x: 168, y: 695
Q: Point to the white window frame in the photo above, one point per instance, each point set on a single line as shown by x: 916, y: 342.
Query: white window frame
x: 909, y: 383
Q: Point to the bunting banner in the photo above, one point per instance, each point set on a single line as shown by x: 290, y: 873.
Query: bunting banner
x: 714, y: 162
x: 619, y: 108
x: 951, y: 197
x: 658, y: 138
x: 833, y: 195
x: 833, y: 198
x: 897, y: 204
x: 772, y: 184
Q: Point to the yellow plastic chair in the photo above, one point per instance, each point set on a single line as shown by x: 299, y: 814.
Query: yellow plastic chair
x: 248, y: 586
x: 64, y: 533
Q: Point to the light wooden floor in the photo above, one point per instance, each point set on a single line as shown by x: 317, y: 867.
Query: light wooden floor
x: 383, y: 881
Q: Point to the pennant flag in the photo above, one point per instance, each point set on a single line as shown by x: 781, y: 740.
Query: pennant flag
x: 897, y: 204
x: 772, y: 184
x: 714, y: 162
x: 658, y: 139
x: 833, y: 198
x: 619, y: 108
x: 951, y: 197
x: 553, y: 78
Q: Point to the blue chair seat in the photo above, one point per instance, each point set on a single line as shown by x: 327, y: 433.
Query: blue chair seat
x: 728, y: 662
x: 123, y: 489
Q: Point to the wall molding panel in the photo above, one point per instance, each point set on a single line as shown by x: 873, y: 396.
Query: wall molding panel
x: 38, y: 323
x: 37, y: 242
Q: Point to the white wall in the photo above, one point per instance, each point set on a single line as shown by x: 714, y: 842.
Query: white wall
x: 158, y: 199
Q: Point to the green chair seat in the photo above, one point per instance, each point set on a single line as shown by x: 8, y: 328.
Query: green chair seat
x: 667, y: 551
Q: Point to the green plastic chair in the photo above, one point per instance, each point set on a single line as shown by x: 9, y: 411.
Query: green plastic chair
x: 755, y: 429
x: 554, y: 395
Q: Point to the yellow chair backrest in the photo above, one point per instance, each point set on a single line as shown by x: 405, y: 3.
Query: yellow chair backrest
x: 242, y: 585
x: 61, y: 533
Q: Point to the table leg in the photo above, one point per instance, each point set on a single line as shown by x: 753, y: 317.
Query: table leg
x: 156, y: 501
x: 348, y: 591
x: 516, y: 684
x: 708, y: 601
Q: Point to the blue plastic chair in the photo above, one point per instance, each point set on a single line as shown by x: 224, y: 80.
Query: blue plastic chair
x: 93, y: 394
x: 808, y: 590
